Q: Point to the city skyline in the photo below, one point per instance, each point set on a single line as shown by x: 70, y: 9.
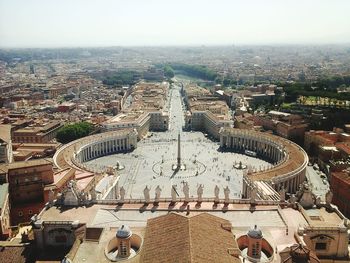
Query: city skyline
x: 150, y: 131
x: 52, y: 24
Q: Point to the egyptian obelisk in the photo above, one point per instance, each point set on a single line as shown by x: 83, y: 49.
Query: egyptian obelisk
x: 178, y: 152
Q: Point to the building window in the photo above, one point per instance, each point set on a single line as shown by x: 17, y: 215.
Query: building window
x: 321, y: 246
x: 123, y: 249
x: 20, y: 213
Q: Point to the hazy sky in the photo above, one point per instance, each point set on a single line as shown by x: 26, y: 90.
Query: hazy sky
x: 64, y: 23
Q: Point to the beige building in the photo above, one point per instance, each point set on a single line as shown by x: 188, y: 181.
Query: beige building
x: 142, y: 121
x: 235, y: 232
x: 146, y: 112
x: 6, y: 155
x: 26, y: 187
x: 205, y: 111
x: 131, y: 120
x: 4, y: 211
x: 326, y: 233
x: 206, y: 121
x: 286, y: 125
x: 57, y: 234
x: 37, y: 133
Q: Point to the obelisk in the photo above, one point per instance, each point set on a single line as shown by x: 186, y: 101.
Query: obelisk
x: 178, y: 152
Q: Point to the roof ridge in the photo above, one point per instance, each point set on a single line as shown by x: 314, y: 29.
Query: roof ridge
x: 171, y: 213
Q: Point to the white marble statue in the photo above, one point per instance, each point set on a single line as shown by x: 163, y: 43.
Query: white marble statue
x: 51, y: 196
x: 83, y: 197
x: 227, y: 194
x: 307, y: 199
x: 293, y: 199
x: 245, y: 172
x: 158, y: 191
x: 329, y: 197
x: 186, y: 190
x: 216, y: 193
x: 318, y: 201
x: 200, y: 193
x: 146, y: 194
x: 93, y: 194
x: 122, y: 193
x: 253, y: 195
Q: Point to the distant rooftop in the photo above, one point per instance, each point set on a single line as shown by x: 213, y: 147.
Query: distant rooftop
x: 24, y: 164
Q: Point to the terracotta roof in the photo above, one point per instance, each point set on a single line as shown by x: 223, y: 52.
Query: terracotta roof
x: 176, y: 238
x: 345, y: 147
x: 24, y: 164
x: 16, y: 254
x: 298, y: 253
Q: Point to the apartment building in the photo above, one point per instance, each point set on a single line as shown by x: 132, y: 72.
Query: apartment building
x: 37, y: 133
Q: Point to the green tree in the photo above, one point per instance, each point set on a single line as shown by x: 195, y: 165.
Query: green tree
x: 168, y: 71
x: 71, y: 132
x: 198, y: 71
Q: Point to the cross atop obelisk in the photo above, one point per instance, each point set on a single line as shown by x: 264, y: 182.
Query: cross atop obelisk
x: 178, y: 152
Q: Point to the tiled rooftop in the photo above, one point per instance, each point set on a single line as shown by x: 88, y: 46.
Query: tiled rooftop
x: 200, y: 238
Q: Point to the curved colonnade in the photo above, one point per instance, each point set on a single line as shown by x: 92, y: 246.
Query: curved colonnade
x: 289, y: 159
x: 75, y: 153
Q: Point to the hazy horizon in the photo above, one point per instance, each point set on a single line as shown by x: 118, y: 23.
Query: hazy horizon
x: 137, y: 23
x: 181, y: 46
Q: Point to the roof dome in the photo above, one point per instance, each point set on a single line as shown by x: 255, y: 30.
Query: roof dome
x: 123, y: 232
x: 300, y: 252
x: 255, y: 232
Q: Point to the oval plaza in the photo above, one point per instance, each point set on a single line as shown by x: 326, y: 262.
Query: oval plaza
x: 165, y: 155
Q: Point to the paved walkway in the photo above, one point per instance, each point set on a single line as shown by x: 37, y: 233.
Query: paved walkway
x: 239, y: 215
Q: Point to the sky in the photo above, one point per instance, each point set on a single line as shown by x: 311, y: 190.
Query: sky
x: 88, y: 23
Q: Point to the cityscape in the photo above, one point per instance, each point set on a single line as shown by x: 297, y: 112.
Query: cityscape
x: 119, y: 146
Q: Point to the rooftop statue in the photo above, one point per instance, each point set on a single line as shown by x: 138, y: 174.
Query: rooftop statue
x: 216, y: 193
x: 158, y: 192
x: 200, y: 192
